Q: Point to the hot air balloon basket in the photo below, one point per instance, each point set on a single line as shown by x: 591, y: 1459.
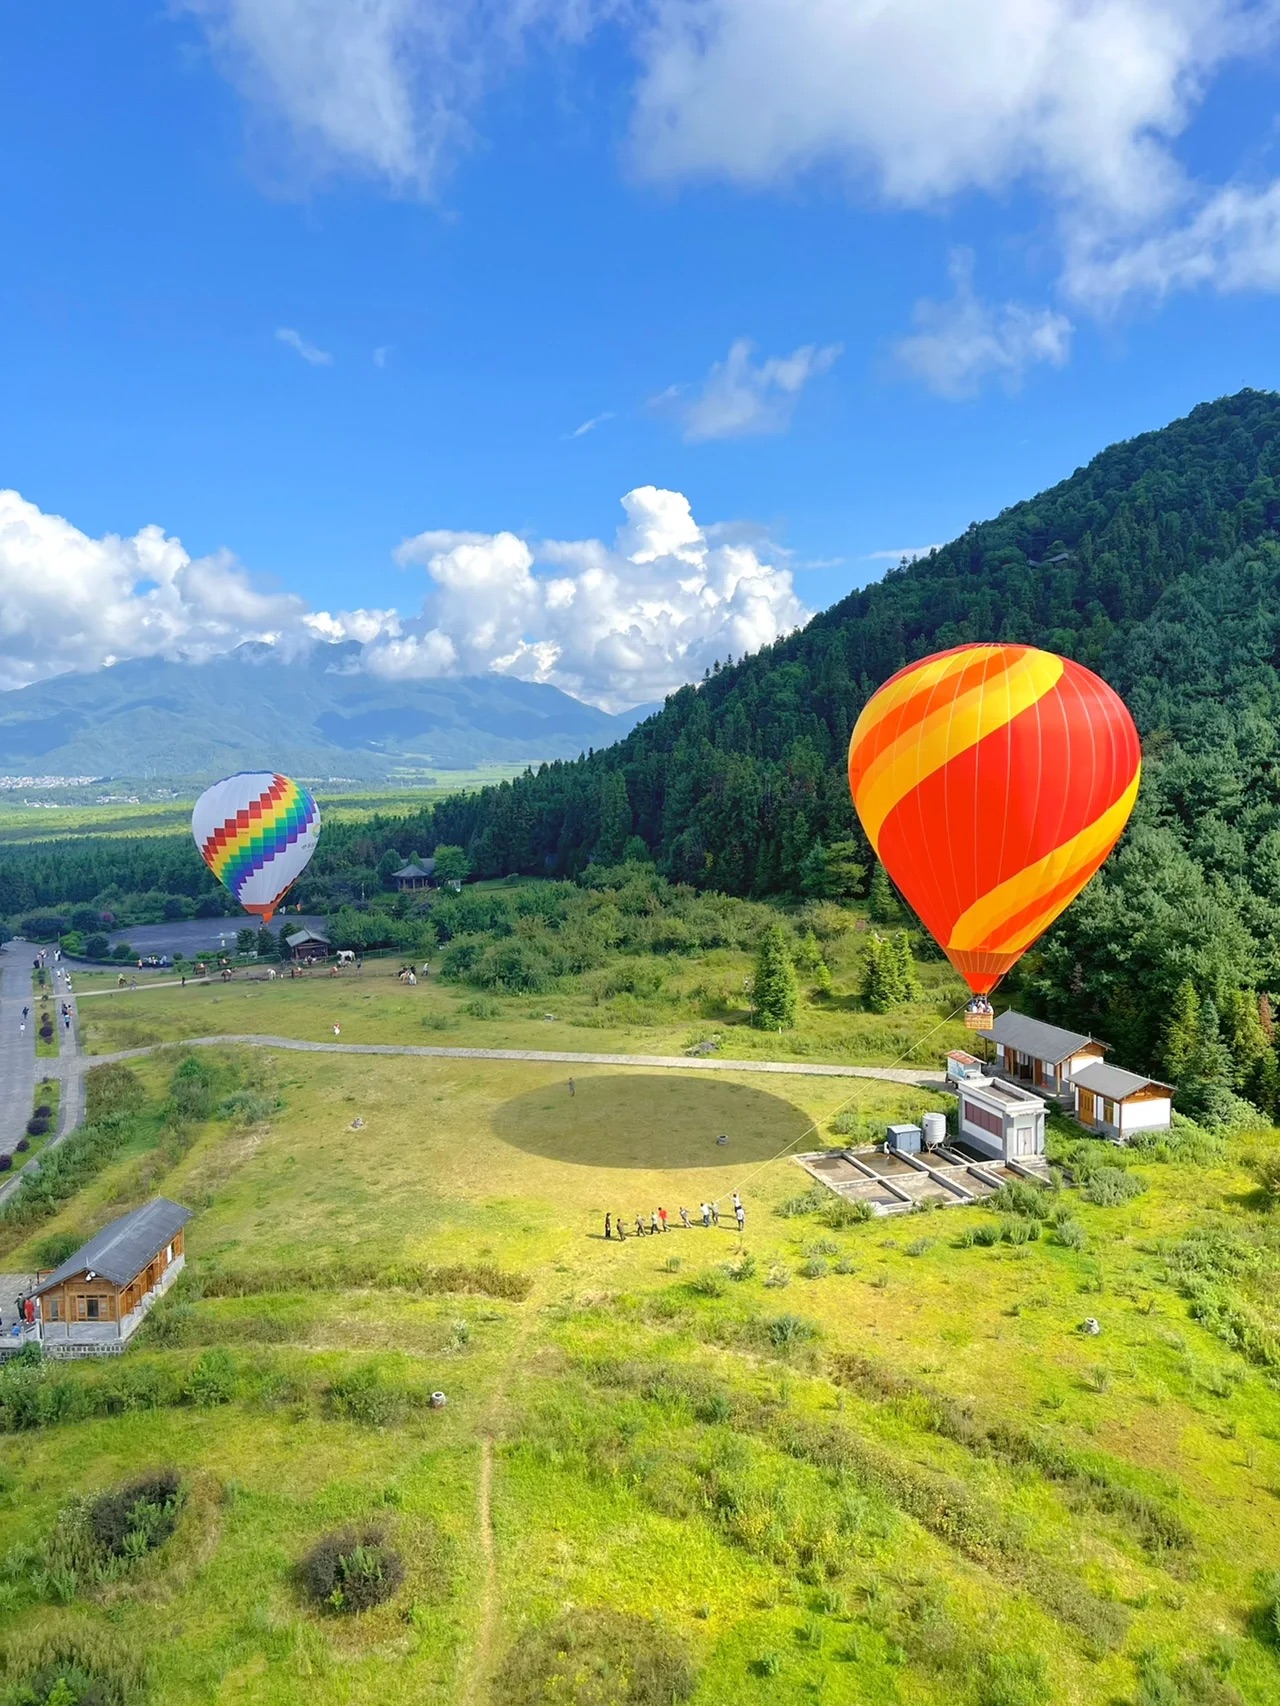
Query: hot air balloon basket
x: 979, y: 1021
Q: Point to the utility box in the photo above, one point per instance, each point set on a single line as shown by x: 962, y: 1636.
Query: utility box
x: 904, y: 1139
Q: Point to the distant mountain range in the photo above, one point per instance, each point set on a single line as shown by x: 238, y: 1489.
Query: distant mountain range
x: 317, y: 716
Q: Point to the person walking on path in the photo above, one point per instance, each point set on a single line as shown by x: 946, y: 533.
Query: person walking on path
x: 608, y: 1227
x: 715, y: 1214
x: 337, y: 1030
x: 684, y: 1216
x: 639, y: 1227
x: 572, y: 1091
x: 662, y: 1216
x: 741, y: 1215
x: 622, y: 1237
x: 653, y: 1223
x: 706, y: 1214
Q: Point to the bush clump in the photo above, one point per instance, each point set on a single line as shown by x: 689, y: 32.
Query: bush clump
x: 596, y: 1656
x: 351, y: 1570
x: 1108, y: 1187
x: 138, y: 1517
x: 22, y: 1145
x: 71, y: 1669
x: 37, y: 1125
x: 6, y: 1161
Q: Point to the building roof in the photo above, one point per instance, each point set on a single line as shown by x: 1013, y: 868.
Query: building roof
x: 417, y: 868
x: 964, y: 1059
x: 300, y: 936
x: 1114, y: 1082
x: 1009, y: 1096
x: 121, y: 1250
x: 1040, y: 1041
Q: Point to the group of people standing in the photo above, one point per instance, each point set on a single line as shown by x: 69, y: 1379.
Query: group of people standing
x: 710, y: 1212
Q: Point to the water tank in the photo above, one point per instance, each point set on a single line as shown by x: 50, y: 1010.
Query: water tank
x: 935, y: 1130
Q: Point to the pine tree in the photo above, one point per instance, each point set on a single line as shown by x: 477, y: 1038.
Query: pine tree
x: 882, y: 903
x: 776, y: 992
x: 615, y: 818
x: 908, y: 981
x: 1181, y: 1031
x: 881, y: 975
x: 1242, y: 1029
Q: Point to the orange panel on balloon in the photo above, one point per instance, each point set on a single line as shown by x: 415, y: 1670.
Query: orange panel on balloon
x: 992, y: 782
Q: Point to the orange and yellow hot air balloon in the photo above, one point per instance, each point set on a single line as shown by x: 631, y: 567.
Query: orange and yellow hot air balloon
x: 992, y: 782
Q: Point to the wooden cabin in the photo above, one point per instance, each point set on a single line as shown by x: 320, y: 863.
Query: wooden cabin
x: 307, y: 945
x: 1116, y: 1103
x: 98, y: 1298
x: 417, y: 874
x: 1043, y: 1056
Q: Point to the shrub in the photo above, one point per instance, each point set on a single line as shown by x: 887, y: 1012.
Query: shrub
x: 596, y: 1656
x: 482, y: 1008
x: 808, y: 1202
x: 1020, y: 1196
x: 351, y: 1570
x: 361, y: 1395
x: 72, y: 1669
x: 814, y: 1267
x: 843, y: 1213
x: 6, y: 1161
x: 783, y: 1331
x: 112, y: 1090
x: 137, y: 1517
x: 1071, y: 1234
x: 1108, y: 1187
x: 1266, y: 1170
x: 246, y: 1107
x: 22, y: 1145
x: 52, y: 1252
x: 708, y: 1284
x: 986, y: 1235
x: 37, y: 1125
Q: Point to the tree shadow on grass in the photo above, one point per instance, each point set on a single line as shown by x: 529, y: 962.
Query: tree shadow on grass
x: 651, y: 1120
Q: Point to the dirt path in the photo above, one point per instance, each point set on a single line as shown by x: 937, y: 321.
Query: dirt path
x: 480, y: 1666
x: 678, y: 1062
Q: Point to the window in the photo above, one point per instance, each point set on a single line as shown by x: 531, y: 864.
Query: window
x: 1108, y: 1111
x: 168, y: 1254
x: 982, y: 1119
x: 91, y: 1305
x: 53, y: 1309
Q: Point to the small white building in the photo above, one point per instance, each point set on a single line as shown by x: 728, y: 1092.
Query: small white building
x: 1001, y: 1120
x: 1118, y: 1103
x: 1043, y: 1056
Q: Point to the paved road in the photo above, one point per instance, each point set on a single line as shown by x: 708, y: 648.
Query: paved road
x: 545, y: 1057
x: 19, y: 1067
x: 17, y: 1052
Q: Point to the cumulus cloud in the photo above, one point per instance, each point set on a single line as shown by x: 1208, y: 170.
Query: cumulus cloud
x: 740, y: 398
x: 959, y: 344
x: 616, y: 625
x: 71, y: 602
x: 309, y: 352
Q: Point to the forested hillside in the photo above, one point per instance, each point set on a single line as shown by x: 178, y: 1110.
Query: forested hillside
x: 1156, y: 565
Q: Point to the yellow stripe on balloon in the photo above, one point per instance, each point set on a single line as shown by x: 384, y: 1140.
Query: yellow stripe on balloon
x: 915, y: 679
x: 975, y: 928
x: 949, y: 730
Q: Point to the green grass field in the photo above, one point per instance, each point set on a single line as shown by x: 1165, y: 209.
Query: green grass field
x: 22, y: 823
x: 871, y: 1463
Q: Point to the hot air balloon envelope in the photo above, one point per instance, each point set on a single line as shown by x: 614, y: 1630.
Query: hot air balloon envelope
x: 256, y: 832
x: 992, y: 782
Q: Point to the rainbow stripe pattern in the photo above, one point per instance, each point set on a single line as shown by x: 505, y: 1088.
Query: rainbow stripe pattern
x: 256, y: 832
x: 992, y: 782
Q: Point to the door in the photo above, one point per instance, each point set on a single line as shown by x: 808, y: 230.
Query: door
x: 1088, y: 1114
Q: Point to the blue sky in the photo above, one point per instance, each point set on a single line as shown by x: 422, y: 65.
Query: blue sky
x: 298, y: 281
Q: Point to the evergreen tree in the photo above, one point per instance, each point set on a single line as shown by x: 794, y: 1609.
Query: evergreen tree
x: 881, y: 976
x: 776, y: 992
x: 908, y: 981
x: 882, y: 903
x: 1263, y: 1085
x: 615, y: 818
x: 1181, y: 1031
x: 1243, y: 1033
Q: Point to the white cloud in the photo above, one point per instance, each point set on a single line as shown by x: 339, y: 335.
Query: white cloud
x: 616, y: 625
x: 740, y: 399
x: 380, y: 355
x: 1230, y: 243
x: 71, y: 602
x: 958, y: 345
x: 381, y: 87
x: 591, y: 425
x: 309, y: 352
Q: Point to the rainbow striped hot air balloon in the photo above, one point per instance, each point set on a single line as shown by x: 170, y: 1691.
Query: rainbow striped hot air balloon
x: 992, y: 782
x: 256, y: 832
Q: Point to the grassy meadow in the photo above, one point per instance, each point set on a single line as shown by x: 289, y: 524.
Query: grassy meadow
x: 846, y: 1463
